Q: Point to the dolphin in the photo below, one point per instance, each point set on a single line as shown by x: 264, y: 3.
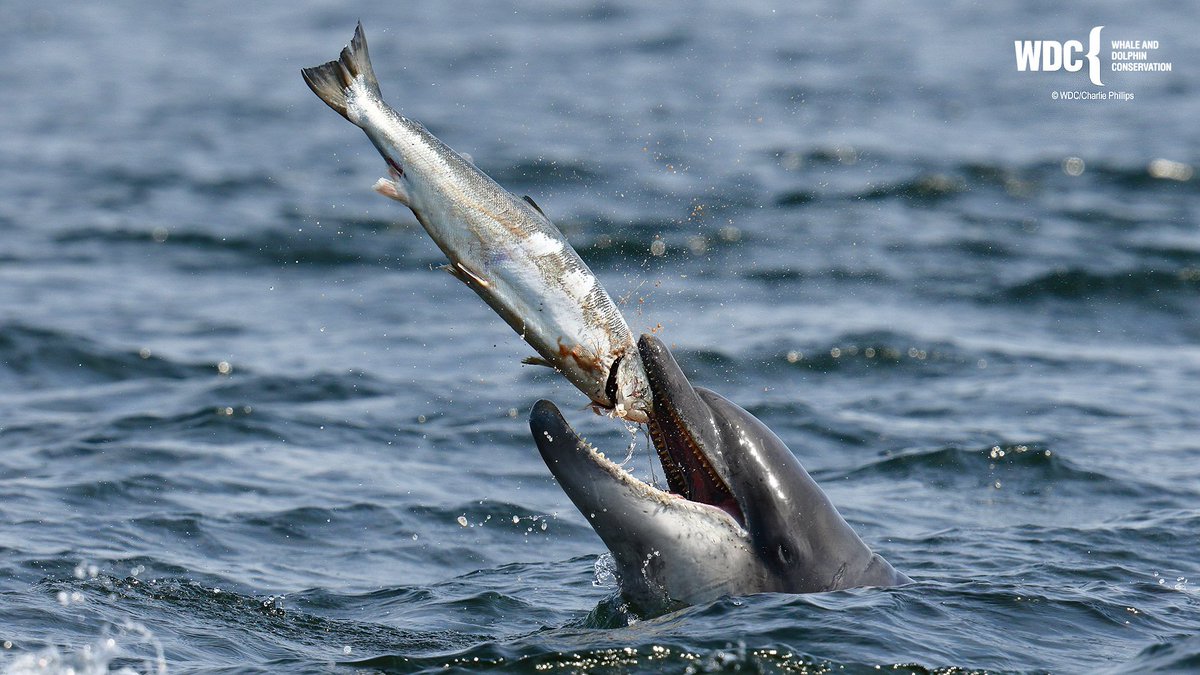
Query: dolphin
x: 742, y: 516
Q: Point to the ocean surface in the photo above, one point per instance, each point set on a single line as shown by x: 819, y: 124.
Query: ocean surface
x: 246, y: 426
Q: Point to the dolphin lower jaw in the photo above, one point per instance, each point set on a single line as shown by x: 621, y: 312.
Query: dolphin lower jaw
x: 670, y: 552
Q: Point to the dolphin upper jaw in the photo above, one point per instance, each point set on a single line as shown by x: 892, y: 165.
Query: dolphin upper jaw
x: 685, y: 433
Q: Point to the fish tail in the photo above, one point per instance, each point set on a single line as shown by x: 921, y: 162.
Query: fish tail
x: 334, y: 81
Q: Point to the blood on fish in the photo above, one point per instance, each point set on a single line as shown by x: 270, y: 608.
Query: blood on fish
x: 586, y: 359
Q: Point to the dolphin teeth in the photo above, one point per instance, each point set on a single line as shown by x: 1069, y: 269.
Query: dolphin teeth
x: 712, y: 488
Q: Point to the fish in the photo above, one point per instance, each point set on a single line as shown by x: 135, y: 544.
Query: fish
x: 500, y: 245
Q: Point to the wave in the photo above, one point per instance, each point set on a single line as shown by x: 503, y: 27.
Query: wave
x: 956, y: 461
x: 1027, y: 467
x: 870, y: 350
x: 242, y: 627
x: 489, y: 513
x: 547, y: 172
x: 304, y: 523
x: 925, y: 188
x: 118, y: 187
x: 607, y: 243
x: 311, y: 388
x: 37, y: 356
x: 1174, y: 654
x: 790, y: 275
x: 929, y: 182
x: 1144, y: 285
x: 333, y: 243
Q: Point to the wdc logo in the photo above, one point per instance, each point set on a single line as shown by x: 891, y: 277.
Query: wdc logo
x: 1051, y: 55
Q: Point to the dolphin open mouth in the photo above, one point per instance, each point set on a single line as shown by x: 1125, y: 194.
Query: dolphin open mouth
x: 679, y: 425
x: 682, y: 428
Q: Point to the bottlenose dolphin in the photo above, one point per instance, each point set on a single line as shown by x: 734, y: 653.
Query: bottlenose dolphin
x: 742, y: 515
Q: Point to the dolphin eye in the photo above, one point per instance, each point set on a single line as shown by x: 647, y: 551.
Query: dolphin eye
x: 785, y: 554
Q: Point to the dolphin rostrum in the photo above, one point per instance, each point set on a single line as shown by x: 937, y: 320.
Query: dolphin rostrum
x: 742, y: 515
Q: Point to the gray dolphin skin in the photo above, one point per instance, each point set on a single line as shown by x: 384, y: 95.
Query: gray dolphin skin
x: 742, y: 515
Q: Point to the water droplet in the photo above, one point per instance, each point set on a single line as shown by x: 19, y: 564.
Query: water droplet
x: 1073, y: 166
x: 1165, y: 168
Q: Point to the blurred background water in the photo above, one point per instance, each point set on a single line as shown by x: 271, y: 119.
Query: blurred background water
x: 242, y: 422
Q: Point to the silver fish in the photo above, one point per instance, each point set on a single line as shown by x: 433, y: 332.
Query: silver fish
x: 502, y: 246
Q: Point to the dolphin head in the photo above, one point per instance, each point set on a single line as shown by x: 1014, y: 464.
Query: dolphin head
x: 740, y: 516
x: 669, y: 551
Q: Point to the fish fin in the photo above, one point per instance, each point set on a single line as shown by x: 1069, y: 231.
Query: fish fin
x: 529, y: 200
x: 392, y: 189
x: 465, y: 274
x: 331, y: 81
x: 471, y: 274
x: 536, y: 361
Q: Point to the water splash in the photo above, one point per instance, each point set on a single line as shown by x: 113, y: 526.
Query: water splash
x: 605, y: 572
x: 93, y: 659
